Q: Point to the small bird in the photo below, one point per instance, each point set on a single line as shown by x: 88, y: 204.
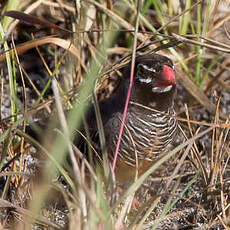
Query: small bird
x: 149, y: 126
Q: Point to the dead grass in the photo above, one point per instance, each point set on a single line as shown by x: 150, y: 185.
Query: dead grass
x: 187, y: 189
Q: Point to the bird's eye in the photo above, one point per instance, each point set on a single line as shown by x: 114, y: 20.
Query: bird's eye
x: 140, y: 70
x: 143, y: 74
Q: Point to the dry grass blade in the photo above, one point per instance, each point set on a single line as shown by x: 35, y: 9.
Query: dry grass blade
x: 117, y: 19
x: 196, y: 93
x: 25, y: 212
x: 208, y: 40
x: 220, y: 23
x: 190, y: 41
x: 179, y: 15
x: 32, y: 19
x: 179, y: 165
x: 76, y: 168
x: 30, y: 9
x: 219, y: 125
x: 65, y: 44
x: 196, y: 153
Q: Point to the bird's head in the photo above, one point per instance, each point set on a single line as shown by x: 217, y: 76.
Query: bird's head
x: 154, y: 81
x: 154, y: 71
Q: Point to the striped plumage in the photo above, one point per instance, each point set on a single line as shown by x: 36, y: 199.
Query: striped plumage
x: 150, y: 125
x: 147, y: 133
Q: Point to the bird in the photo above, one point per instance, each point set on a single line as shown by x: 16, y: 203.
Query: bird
x: 150, y: 125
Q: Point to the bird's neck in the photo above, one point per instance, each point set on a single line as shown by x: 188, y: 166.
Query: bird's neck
x: 161, y: 101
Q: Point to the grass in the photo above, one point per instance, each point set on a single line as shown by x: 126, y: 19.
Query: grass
x: 196, y: 172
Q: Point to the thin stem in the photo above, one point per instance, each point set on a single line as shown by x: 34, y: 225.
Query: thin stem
x: 129, y: 89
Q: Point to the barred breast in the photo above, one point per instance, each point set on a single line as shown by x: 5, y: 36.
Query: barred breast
x: 146, y: 134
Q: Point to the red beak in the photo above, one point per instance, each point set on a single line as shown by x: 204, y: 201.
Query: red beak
x: 166, y: 78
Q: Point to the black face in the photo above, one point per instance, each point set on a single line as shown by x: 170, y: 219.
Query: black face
x: 155, y: 71
x: 154, y: 81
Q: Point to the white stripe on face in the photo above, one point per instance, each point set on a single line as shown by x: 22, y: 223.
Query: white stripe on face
x: 161, y: 89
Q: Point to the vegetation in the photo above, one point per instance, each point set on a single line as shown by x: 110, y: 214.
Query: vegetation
x: 47, y: 69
